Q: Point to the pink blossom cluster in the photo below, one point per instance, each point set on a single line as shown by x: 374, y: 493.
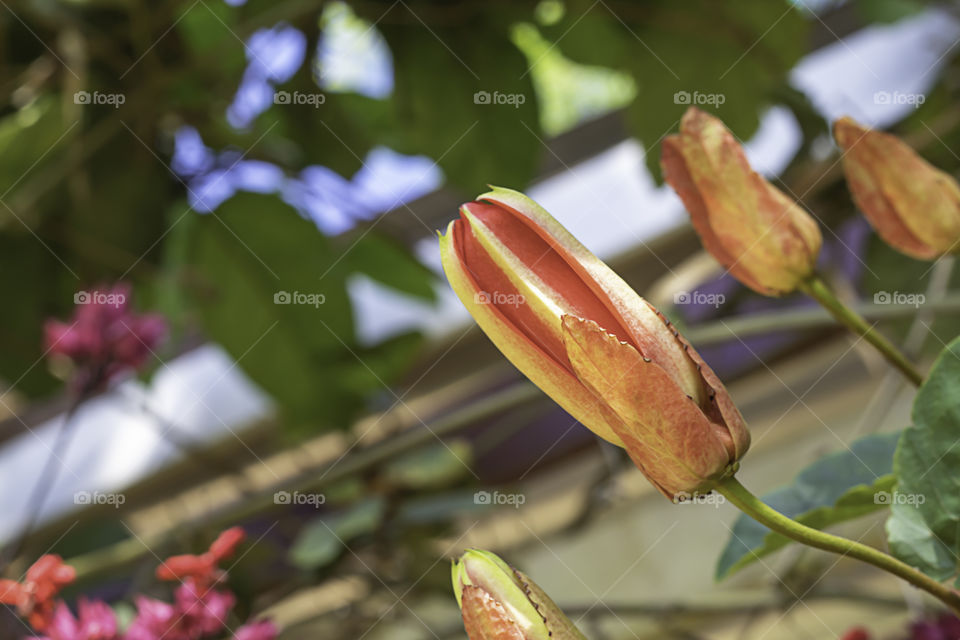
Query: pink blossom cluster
x: 105, y: 337
x: 200, y: 607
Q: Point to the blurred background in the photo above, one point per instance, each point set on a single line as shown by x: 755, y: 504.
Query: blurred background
x: 271, y: 175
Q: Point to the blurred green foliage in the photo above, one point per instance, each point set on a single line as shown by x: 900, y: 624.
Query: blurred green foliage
x: 88, y: 194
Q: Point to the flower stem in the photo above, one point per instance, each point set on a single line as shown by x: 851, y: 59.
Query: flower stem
x: 751, y: 505
x: 817, y: 289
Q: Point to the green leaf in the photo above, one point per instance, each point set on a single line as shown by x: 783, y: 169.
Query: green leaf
x: 321, y: 541
x: 246, y: 263
x: 391, y: 264
x: 29, y: 139
x: 924, y: 530
x: 727, y: 58
x: 474, y: 142
x: 435, y: 466
x: 835, y: 488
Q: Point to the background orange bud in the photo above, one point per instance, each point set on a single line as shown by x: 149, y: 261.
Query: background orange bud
x: 912, y: 205
x: 761, y: 236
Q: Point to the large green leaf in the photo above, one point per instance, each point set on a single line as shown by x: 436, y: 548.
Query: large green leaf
x: 838, y: 487
x: 727, y: 58
x: 248, y: 262
x: 391, y: 264
x: 321, y: 541
x: 474, y: 140
x: 924, y: 530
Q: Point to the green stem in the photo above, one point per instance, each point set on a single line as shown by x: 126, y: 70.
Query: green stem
x: 817, y: 289
x: 751, y: 505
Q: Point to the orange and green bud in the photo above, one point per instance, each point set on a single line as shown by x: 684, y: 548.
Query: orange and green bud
x: 762, y: 237
x: 500, y: 603
x: 581, y: 334
x: 911, y: 204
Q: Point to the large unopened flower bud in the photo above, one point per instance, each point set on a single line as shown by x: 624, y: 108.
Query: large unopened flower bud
x: 912, y: 205
x: 762, y: 237
x: 581, y: 334
x: 500, y: 603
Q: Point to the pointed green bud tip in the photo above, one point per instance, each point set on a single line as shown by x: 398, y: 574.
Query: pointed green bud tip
x: 500, y: 603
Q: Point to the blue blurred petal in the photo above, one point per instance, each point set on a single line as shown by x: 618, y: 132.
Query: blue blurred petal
x: 208, y: 191
x: 276, y: 53
x: 190, y: 155
x: 253, y: 97
x: 389, y: 179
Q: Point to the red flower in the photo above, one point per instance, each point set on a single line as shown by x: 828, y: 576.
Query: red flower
x: 33, y: 598
x: 202, y: 569
x: 104, y: 337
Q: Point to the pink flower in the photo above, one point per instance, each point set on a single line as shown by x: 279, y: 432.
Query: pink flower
x: 105, y: 337
x: 155, y: 619
x: 203, y: 610
x: 94, y: 622
x: 260, y: 630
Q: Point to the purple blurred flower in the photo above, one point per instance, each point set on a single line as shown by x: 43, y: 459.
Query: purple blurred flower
x: 260, y: 630
x: 276, y: 53
x: 946, y: 627
x: 273, y: 55
x: 190, y: 155
x: 105, y: 337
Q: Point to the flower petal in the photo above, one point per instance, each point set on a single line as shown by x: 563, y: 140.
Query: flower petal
x: 666, y: 433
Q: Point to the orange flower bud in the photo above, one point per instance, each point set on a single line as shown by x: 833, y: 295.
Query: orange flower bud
x: 762, y: 237
x: 581, y: 334
x: 912, y: 205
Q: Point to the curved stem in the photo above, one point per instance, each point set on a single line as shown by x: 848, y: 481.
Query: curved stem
x: 751, y: 505
x: 817, y: 289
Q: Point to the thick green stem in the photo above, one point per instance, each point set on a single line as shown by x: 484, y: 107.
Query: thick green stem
x: 751, y: 505
x: 817, y: 289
